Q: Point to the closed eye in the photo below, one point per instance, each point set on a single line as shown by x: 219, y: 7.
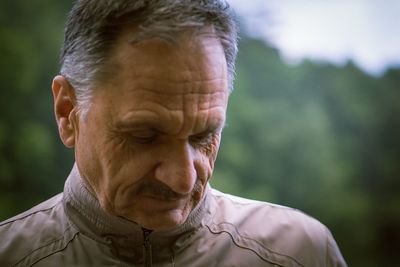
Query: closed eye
x: 136, y: 137
x: 203, y: 139
x: 141, y: 139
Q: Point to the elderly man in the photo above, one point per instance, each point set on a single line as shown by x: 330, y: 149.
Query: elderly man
x: 141, y: 98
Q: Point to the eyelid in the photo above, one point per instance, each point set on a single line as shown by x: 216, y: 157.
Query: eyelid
x: 204, y: 137
x: 143, y: 132
x: 142, y: 139
x: 140, y: 136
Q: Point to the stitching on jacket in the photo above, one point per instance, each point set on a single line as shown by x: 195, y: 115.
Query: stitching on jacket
x: 56, y: 251
x: 237, y: 202
x: 253, y: 240
x: 17, y: 217
x: 249, y: 238
x: 76, y: 205
x: 73, y: 224
x: 85, y: 235
x: 46, y: 245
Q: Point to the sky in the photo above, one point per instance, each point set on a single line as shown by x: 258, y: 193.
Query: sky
x: 364, y: 31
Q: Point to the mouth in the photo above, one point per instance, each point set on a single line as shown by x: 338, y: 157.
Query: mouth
x: 163, y: 198
x: 161, y: 203
x: 161, y: 192
x: 153, y: 196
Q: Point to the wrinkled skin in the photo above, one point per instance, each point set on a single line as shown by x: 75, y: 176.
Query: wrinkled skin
x: 147, y: 145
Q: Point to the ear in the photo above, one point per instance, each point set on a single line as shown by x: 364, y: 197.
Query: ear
x: 64, y: 109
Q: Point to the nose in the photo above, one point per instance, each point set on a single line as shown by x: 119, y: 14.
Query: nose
x: 177, y: 168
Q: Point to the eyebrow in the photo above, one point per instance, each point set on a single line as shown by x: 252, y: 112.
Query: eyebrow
x: 127, y: 125
x: 217, y: 127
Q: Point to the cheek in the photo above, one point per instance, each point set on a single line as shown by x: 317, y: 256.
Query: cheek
x: 121, y: 170
x: 88, y: 159
x: 125, y: 165
x: 208, y: 160
x: 208, y: 167
x: 213, y: 151
x: 98, y: 159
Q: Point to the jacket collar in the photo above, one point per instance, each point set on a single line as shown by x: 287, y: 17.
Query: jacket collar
x: 125, y: 237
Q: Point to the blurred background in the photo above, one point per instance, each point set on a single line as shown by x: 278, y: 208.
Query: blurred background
x: 313, y: 123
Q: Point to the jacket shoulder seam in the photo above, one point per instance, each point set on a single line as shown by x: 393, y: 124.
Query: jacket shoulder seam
x: 240, y: 240
x: 246, y: 202
x: 58, y: 249
x: 238, y: 243
x: 29, y: 213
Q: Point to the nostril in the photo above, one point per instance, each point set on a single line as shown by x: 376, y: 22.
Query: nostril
x: 178, y: 176
x: 187, y: 181
x: 176, y: 167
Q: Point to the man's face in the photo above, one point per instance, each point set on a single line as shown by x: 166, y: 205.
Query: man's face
x: 148, y: 143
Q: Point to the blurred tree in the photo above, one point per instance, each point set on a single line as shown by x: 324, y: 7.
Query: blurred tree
x: 32, y: 161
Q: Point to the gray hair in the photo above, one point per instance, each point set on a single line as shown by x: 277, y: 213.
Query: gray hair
x: 93, y: 27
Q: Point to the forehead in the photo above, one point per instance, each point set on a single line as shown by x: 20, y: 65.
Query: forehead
x: 191, y: 58
x: 183, y: 85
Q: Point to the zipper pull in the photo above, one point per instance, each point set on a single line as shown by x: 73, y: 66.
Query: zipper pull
x: 148, y: 258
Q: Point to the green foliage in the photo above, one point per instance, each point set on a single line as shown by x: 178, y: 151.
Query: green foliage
x: 315, y: 137
x: 33, y: 163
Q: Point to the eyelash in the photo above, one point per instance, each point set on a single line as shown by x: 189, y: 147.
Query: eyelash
x: 202, y: 139
x: 141, y: 140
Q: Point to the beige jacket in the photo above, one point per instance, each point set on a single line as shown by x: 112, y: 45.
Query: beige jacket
x: 71, y: 229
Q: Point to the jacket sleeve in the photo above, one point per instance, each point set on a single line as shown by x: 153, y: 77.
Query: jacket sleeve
x: 333, y: 256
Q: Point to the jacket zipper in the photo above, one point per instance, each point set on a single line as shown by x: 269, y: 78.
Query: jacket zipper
x: 148, y: 258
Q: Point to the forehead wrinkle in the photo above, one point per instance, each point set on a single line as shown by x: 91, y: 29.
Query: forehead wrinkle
x: 197, y: 116
x: 200, y: 123
x: 188, y: 105
x: 151, y: 93
x: 150, y: 96
x: 172, y: 121
x: 186, y: 85
x: 183, y: 70
x: 160, y: 85
x: 184, y: 105
x: 186, y: 79
x: 208, y: 49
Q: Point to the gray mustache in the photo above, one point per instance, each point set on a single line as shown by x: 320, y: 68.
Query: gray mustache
x: 162, y: 191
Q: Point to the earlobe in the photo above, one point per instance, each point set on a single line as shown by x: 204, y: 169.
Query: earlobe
x: 64, y: 109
